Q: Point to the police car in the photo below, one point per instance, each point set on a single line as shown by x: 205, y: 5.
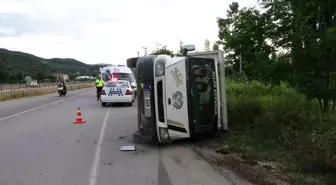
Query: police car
x: 117, y: 91
x: 119, y: 72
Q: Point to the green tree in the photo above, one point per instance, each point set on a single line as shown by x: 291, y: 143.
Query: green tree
x: 3, y: 76
x: 181, y: 45
x: 215, y: 46
x: 244, y: 32
x: 308, y: 29
x: 206, y: 45
x: 160, y: 49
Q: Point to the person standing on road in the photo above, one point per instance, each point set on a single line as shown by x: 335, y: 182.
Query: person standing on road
x: 99, y: 86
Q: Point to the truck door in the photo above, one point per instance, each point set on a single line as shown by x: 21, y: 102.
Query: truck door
x: 176, y: 100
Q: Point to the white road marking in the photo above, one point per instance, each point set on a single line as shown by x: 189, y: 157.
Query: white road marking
x: 29, y: 110
x: 95, y: 166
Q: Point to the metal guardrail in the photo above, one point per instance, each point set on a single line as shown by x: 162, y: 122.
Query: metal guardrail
x: 21, y: 86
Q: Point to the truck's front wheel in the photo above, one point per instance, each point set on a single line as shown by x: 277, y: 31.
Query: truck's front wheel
x: 149, y: 135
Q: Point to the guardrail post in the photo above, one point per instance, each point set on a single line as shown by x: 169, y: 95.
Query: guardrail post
x: 19, y: 86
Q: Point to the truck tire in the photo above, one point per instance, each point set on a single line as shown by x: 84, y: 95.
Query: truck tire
x: 149, y: 136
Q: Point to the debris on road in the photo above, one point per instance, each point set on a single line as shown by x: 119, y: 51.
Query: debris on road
x: 223, y: 150
x: 127, y: 148
x: 137, y: 138
x: 107, y: 163
x: 123, y: 137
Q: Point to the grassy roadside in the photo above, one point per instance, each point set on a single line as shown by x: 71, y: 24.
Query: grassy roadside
x: 275, y: 136
x: 9, y: 95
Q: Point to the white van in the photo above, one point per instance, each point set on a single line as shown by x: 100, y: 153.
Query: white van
x: 118, y: 72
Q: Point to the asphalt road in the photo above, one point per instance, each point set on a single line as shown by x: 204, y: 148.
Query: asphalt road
x: 39, y: 145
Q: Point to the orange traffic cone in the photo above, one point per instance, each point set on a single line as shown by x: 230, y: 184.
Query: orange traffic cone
x: 79, y: 119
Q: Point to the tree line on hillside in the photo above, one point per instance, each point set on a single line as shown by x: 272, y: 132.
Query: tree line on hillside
x: 16, y: 65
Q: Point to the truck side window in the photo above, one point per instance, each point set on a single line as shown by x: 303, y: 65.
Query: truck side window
x: 105, y: 77
x: 203, y: 83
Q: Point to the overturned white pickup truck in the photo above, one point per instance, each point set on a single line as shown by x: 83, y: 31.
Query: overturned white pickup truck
x: 180, y: 96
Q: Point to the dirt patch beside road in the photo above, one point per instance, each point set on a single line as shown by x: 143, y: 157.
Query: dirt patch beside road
x: 241, y: 169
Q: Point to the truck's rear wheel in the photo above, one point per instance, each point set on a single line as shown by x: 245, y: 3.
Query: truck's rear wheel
x: 213, y: 132
x: 140, y: 137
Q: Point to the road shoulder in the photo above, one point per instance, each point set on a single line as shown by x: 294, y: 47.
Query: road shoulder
x: 239, y: 169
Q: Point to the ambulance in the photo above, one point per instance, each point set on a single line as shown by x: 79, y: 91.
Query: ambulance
x: 180, y: 96
x: 118, y: 72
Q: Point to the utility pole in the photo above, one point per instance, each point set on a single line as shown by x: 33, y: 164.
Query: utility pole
x: 138, y: 53
x: 145, y: 49
x: 240, y: 60
x: 240, y: 63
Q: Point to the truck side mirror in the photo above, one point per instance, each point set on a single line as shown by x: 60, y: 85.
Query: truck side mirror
x: 186, y: 48
x: 190, y: 47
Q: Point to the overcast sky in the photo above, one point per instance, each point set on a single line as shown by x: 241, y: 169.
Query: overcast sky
x: 107, y: 31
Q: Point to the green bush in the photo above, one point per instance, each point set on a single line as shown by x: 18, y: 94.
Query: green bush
x: 279, y: 117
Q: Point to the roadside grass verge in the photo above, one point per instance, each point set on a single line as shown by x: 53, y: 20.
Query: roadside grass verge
x: 276, y: 123
x: 9, y: 95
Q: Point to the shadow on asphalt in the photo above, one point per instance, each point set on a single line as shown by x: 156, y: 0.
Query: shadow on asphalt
x: 119, y: 105
x: 137, y: 138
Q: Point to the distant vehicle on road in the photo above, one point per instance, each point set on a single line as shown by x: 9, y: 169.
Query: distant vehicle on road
x: 61, y: 90
x: 32, y: 83
x: 117, y: 91
x: 119, y: 72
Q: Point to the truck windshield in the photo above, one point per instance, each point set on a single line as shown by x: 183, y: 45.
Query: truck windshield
x: 124, y: 76
x: 108, y: 75
x: 120, y: 84
x: 203, y: 92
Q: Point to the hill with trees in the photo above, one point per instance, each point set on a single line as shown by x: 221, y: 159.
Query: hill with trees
x: 16, y: 65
